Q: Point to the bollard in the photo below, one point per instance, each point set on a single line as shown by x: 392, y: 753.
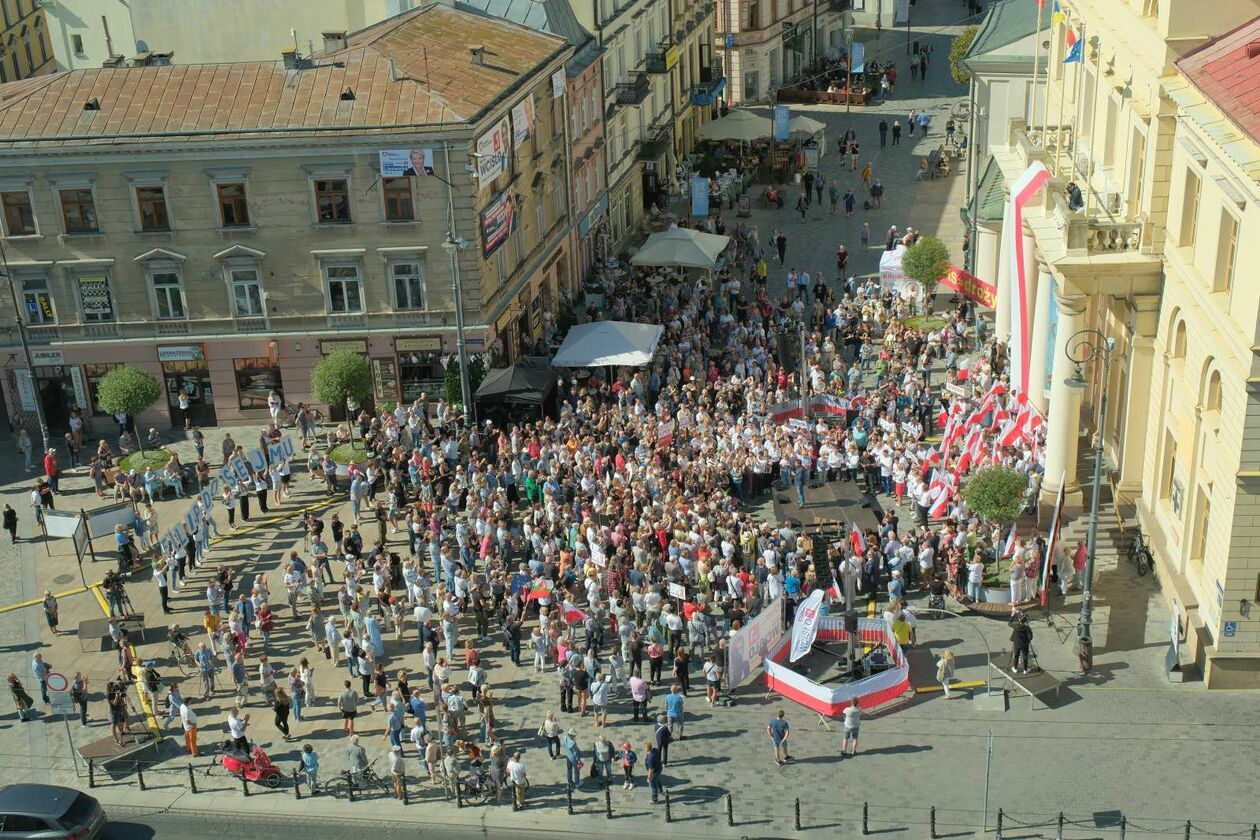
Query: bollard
x: 1187, y: 829
x: 1059, y: 834
x: 932, y: 818
x: 730, y: 811
x: 669, y: 816
x: 866, y: 826
x: 607, y: 802
x: 797, y: 814
x: 91, y: 774
x: 459, y: 795
x: 404, y: 790
x: 244, y: 785
x: 997, y: 832
x: 192, y: 778
x: 349, y: 785
x: 297, y: 786
x: 1255, y: 831
x: 140, y: 776
x: 1124, y: 826
x: 568, y: 798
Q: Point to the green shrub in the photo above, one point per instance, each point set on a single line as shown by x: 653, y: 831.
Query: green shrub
x: 340, y: 376
x: 996, y: 494
x: 350, y: 452
x: 957, y: 50
x: 140, y: 461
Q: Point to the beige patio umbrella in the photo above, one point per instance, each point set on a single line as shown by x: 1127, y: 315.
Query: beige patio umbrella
x: 737, y: 125
x: 805, y: 125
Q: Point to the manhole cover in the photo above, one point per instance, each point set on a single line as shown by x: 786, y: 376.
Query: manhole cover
x: 63, y: 579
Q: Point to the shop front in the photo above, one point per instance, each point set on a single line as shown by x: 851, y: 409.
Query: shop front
x: 419, y: 368
x: 58, y: 387
x: 185, y: 371
x: 592, y: 233
x: 256, y: 377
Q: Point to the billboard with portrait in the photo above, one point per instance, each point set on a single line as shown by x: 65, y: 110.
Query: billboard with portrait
x: 401, y: 163
x: 493, y: 148
x: 498, y: 220
x: 523, y: 120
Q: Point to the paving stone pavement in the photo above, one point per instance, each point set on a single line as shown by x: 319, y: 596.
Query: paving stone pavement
x: 1079, y: 757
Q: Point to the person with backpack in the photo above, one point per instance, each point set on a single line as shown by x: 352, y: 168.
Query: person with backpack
x: 661, y: 739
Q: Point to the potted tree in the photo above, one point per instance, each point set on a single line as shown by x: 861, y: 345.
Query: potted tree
x: 129, y: 390
x: 926, y: 262
x: 343, y: 378
x: 996, y: 495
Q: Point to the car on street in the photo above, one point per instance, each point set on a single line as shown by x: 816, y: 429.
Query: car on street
x: 49, y: 812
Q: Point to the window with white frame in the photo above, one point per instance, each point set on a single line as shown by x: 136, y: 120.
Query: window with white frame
x: 247, y: 294
x: 37, y: 306
x: 96, y: 301
x: 168, y: 292
x: 345, y: 288
x: 408, y: 279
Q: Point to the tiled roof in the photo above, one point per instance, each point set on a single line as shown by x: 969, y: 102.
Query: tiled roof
x: 1227, y: 70
x: 437, y: 81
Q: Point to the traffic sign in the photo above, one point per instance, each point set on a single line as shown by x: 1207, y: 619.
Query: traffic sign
x: 57, y: 682
x: 62, y: 703
x: 730, y: 40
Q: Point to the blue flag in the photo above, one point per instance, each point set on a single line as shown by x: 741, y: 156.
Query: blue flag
x: 1075, y: 53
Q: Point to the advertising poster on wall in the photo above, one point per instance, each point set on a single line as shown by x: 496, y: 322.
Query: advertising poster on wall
x: 493, y: 147
x: 523, y: 120
x: 498, y: 221
x: 402, y: 163
x: 557, y: 84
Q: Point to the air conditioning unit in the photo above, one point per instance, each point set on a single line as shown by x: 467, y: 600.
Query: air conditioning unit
x: 1112, y: 200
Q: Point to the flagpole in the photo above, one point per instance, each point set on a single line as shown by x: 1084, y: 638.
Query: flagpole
x: 1032, y: 111
x: 1093, y: 129
x: 1058, y: 143
x: 1080, y: 96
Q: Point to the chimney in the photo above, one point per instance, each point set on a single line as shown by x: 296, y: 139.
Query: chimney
x: 478, y: 54
x: 393, y: 71
x: 290, y: 57
x: 334, y: 41
x: 1253, y: 49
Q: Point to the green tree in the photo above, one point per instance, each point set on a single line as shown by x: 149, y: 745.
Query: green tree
x: 926, y: 261
x: 996, y: 494
x: 128, y: 390
x: 477, y: 370
x: 956, y: 52
x: 340, y: 377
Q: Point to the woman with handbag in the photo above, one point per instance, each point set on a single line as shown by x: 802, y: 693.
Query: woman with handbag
x: 550, y: 730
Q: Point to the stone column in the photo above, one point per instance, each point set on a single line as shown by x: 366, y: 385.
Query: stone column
x: 1137, y: 395
x: 987, y: 247
x: 1064, y: 421
x: 1037, y: 371
x: 1002, y: 322
x: 1030, y: 272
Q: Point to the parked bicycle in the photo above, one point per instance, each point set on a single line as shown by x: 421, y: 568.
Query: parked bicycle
x: 1140, y: 554
x: 361, y: 783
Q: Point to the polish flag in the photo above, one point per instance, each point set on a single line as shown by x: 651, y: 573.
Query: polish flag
x: 933, y: 459
x: 857, y: 540
x: 943, y: 417
x: 964, y: 370
x: 572, y: 615
x: 997, y: 390
x: 1008, y: 548
x: 940, y: 506
x: 1000, y: 417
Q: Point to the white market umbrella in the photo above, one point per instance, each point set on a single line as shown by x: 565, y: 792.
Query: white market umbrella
x: 805, y: 125
x: 737, y: 125
x: 608, y: 343
x: 681, y: 247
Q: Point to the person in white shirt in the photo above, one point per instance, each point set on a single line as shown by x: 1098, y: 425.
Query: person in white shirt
x: 519, y: 778
x: 189, y: 720
x: 273, y: 405
x: 236, y: 728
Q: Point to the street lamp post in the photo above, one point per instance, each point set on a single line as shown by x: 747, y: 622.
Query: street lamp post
x: 453, y: 245
x: 26, y: 351
x: 1082, y: 348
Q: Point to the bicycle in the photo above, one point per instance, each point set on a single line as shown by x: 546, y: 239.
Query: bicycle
x: 291, y: 412
x: 1140, y: 554
x: 181, y: 657
x: 364, y: 781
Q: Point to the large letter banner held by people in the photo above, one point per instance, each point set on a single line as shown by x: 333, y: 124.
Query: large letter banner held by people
x: 805, y: 627
x: 1022, y: 193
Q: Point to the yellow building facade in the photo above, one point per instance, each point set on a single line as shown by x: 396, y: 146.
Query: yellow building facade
x: 24, y: 47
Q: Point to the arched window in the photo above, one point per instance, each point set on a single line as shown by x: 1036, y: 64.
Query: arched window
x: 1178, y: 348
x: 1212, y: 394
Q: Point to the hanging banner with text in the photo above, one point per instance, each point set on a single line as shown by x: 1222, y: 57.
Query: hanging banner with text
x: 970, y: 286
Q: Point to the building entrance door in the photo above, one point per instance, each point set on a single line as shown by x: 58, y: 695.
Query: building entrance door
x: 193, y: 379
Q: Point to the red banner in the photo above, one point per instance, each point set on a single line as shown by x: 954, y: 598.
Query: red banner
x: 970, y: 286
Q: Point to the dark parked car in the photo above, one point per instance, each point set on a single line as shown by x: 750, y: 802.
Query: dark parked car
x: 49, y: 812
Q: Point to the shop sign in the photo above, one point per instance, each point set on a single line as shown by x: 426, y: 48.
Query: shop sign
x: 25, y: 389
x: 80, y: 392
x: 352, y: 345
x: 471, y: 343
x: 588, y: 221
x: 48, y: 357
x: 418, y: 345
x: 385, y: 379
x: 182, y: 353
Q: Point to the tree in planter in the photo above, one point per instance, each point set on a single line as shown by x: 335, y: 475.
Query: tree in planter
x: 477, y: 370
x: 996, y: 494
x: 957, y: 50
x: 926, y: 262
x: 128, y: 390
x: 340, y: 378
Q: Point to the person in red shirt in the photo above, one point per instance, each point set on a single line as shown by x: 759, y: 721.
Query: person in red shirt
x: 52, y: 469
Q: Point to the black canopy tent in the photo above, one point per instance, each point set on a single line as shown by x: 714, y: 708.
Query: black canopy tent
x: 522, y: 385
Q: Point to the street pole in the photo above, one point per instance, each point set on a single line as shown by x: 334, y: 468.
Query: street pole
x: 1086, y: 352
x: 452, y: 247
x: 804, y: 378
x: 26, y: 352
x: 848, y: 84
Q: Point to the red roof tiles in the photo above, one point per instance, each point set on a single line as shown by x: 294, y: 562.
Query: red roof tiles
x: 1227, y: 71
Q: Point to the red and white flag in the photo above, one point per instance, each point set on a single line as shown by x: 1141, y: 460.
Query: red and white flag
x: 857, y: 540
x: 940, y: 505
x: 1008, y: 547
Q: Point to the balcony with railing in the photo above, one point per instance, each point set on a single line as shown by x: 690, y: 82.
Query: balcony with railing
x: 634, y: 91
x: 663, y: 59
x: 657, y: 144
x: 710, y: 87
